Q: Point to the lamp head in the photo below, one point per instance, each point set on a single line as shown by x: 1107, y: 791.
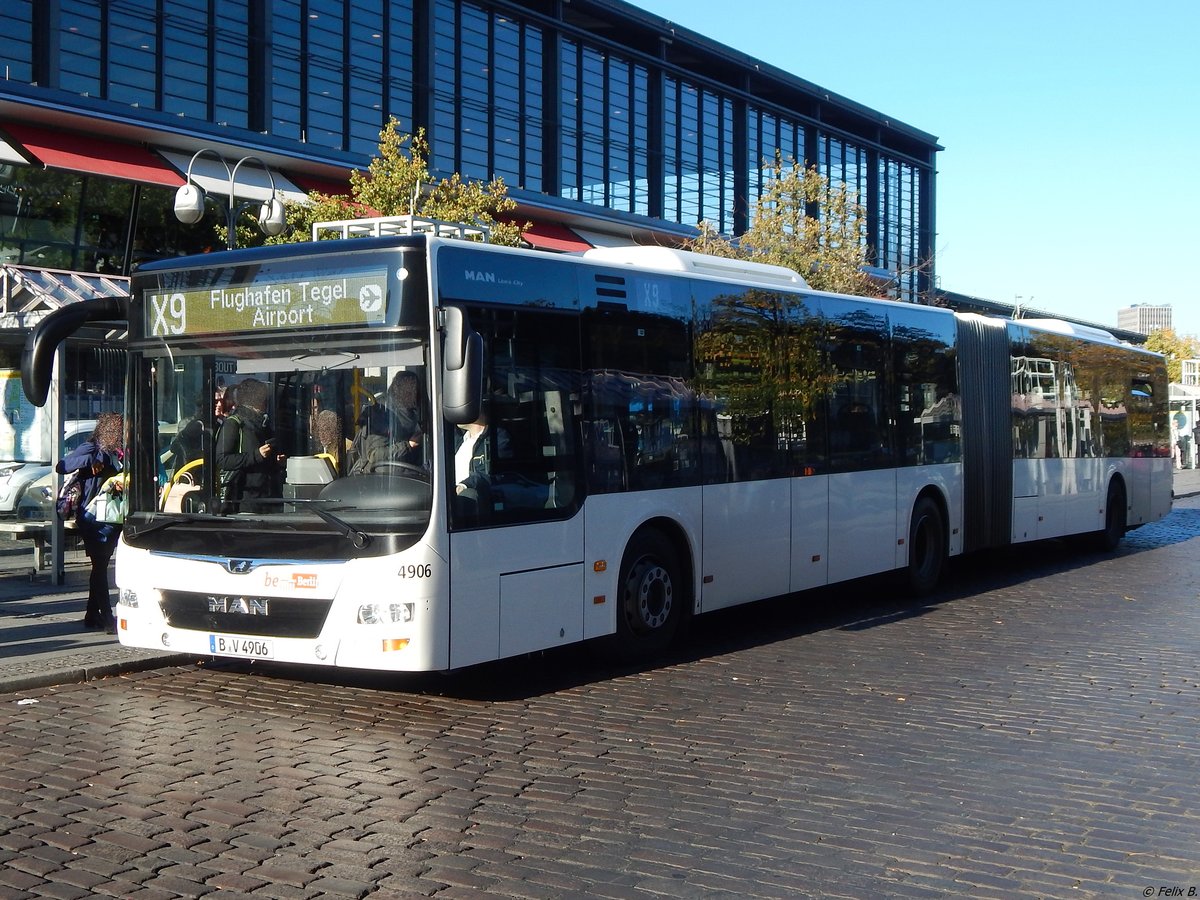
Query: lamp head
x: 271, y: 217
x: 189, y: 204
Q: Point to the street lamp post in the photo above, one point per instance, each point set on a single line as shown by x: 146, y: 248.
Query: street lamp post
x: 189, y: 201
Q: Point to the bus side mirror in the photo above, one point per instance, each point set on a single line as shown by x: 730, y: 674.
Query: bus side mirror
x: 462, y: 368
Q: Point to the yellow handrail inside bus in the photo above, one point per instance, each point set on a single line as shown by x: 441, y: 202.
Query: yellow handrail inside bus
x: 183, y: 470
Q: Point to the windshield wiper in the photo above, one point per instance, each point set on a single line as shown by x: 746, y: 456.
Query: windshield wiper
x: 360, y: 539
x: 159, y: 525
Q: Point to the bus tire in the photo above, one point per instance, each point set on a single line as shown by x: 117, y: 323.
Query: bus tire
x: 653, y: 595
x: 1107, y: 538
x: 926, y: 547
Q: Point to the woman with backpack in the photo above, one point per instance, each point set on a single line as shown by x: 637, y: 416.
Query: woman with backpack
x: 248, y: 463
x: 96, y: 460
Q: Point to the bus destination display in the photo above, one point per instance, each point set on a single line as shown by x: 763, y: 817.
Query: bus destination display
x: 353, y: 299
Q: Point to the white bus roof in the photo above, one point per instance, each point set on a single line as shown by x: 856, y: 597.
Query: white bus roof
x: 671, y: 260
x: 1058, y: 326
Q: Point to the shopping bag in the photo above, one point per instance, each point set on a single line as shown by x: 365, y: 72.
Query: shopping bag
x: 108, y: 505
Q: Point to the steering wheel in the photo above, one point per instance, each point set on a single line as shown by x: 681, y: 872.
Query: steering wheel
x: 395, y: 464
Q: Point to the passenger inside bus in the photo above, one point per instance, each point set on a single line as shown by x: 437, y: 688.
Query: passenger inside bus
x: 390, y: 430
x: 193, y: 440
x: 477, y: 442
x: 248, y: 463
x: 331, y: 440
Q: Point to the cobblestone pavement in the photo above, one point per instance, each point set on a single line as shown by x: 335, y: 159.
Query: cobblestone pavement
x: 1031, y: 731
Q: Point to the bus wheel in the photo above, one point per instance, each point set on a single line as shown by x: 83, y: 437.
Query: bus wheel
x: 652, y: 595
x: 1107, y: 538
x: 926, y: 547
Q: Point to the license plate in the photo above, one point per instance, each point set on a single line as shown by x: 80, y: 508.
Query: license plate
x: 250, y: 648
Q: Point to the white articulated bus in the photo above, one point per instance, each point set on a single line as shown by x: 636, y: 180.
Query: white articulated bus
x: 649, y: 435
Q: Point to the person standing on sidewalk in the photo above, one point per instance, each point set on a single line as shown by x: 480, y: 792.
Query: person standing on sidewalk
x: 96, y: 460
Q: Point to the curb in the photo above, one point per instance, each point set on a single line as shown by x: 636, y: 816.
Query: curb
x: 81, y: 674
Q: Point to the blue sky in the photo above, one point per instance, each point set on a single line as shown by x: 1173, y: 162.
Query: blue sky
x: 1071, y: 131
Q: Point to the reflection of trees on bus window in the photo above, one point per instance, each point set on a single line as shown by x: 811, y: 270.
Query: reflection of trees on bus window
x: 1147, y: 401
x: 763, y: 383
x: 859, y: 432
x: 928, y: 407
x: 804, y: 384
x: 759, y: 357
x: 647, y: 425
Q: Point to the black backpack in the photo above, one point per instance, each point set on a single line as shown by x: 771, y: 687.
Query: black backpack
x: 70, y: 497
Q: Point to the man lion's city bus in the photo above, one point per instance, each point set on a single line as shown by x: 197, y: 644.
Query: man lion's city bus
x: 598, y: 446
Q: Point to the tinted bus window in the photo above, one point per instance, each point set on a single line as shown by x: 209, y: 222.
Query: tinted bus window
x: 525, y: 465
x: 927, y: 402
x: 860, y: 419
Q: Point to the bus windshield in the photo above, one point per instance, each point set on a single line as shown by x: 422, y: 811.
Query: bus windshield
x: 304, y: 432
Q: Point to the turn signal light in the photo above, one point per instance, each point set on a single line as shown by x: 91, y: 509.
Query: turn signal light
x: 390, y: 644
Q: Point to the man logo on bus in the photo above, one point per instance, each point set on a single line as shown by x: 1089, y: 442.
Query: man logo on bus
x: 246, y: 606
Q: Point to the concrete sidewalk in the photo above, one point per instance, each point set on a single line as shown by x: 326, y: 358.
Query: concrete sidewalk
x: 43, y: 641
x: 42, y: 638
x: 1187, y: 482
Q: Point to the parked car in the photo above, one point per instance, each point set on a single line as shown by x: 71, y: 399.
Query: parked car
x: 16, y: 476
x: 37, y: 500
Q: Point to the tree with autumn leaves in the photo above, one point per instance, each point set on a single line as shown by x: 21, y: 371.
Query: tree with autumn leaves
x: 1176, y: 348
x: 398, y: 183
x: 828, y: 249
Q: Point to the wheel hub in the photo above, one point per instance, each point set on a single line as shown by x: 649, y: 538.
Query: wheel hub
x: 654, y: 597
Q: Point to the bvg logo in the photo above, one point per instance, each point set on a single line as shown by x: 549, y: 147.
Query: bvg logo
x: 295, y: 580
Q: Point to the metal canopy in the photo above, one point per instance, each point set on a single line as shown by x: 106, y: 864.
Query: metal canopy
x: 27, y: 293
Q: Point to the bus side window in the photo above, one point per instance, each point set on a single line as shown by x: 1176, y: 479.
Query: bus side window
x: 860, y: 433
x: 605, y: 456
x: 530, y: 450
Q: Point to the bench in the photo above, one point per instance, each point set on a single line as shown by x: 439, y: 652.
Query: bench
x: 39, y: 533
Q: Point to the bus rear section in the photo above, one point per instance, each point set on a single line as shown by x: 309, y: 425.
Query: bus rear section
x: 1065, y: 433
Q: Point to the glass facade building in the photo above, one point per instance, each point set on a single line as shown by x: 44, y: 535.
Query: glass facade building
x: 592, y: 111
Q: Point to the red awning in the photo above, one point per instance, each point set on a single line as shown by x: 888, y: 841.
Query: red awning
x: 93, y: 156
x: 549, y: 236
x: 327, y: 186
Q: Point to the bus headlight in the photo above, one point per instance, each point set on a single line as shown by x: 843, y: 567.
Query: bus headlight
x: 129, y: 598
x: 379, y: 614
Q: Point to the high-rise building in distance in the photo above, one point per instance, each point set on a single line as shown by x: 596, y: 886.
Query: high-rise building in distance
x: 1145, y: 317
